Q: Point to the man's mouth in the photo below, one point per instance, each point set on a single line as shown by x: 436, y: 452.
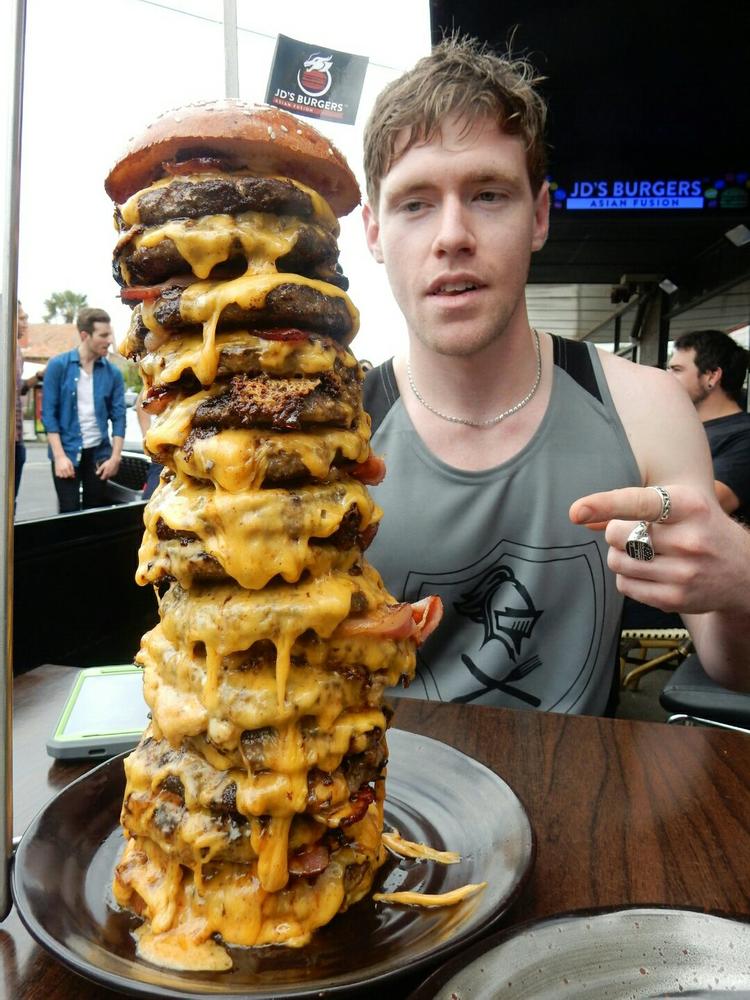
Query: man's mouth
x: 454, y: 288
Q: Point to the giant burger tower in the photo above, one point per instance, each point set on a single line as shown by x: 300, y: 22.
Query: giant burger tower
x: 253, y: 810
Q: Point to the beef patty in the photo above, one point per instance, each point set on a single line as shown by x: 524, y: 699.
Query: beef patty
x: 286, y: 305
x: 284, y: 403
x: 220, y: 195
x: 314, y: 255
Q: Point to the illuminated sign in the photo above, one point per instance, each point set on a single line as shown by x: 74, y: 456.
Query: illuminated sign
x: 729, y: 192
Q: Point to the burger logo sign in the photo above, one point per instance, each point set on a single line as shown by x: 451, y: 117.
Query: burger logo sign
x: 316, y: 82
x: 315, y: 78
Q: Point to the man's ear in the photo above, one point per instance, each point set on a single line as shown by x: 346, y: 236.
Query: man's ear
x: 372, y: 233
x: 541, y: 218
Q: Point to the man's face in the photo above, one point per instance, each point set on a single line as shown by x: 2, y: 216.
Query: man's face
x: 23, y: 321
x: 682, y: 365
x: 99, y: 342
x: 456, y: 225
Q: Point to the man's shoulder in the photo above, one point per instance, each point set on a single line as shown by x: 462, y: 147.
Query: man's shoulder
x: 59, y: 360
x: 734, y: 426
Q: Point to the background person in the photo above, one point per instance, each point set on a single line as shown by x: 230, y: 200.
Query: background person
x: 712, y: 368
x: 22, y: 387
x: 491, y: 430
x: 83, y: 394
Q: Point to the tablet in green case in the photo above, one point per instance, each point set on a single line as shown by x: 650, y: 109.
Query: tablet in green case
x: 105, y: 714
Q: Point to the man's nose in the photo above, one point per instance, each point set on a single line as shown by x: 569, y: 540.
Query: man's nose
x: 455, y: 233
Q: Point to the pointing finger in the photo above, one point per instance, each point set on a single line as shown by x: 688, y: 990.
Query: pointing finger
x: 630, y: 504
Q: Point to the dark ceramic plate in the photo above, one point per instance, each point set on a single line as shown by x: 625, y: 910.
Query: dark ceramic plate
x: 435, y: 795
x: 629, y: 954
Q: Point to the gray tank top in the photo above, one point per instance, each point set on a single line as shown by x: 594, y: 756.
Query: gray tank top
x: 531, y: 612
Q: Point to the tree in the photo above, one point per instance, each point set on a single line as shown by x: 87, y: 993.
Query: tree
x: 64, y: 305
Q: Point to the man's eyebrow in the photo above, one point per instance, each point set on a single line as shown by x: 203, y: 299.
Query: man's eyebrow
x: 416, y: 187
x: 408, y: 189
x: 491, y: 176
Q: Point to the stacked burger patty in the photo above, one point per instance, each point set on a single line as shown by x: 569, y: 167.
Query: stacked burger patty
x: 253, y: 809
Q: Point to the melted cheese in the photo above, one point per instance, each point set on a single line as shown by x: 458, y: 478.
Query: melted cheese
x: 206, y: 242
x: 427, y: 899
x: 203, y: 302
x: 226, y: 619
x: 231, y: 901
x: 322, y: 212
x: 174, y: 686
x: 254, y: 535
x: 408, y: 849
x: 179, y: 355
x: 238, y: 460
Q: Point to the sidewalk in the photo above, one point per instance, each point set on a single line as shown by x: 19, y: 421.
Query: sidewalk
x: 36, y: 497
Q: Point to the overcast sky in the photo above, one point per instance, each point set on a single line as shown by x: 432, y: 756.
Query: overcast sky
x: 98, y: 71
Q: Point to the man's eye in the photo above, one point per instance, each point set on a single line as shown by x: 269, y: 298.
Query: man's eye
x: 412, y: 206
x: 490, y: 196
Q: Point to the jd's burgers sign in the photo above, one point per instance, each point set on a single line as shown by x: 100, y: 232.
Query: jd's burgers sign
x: 316, y: 82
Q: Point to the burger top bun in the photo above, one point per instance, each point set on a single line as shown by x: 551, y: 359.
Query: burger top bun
x: 244, y: 136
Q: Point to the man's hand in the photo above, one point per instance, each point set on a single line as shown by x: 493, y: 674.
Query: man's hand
x: 109, y: 468
x: 695, y: 549
x: 64, y: 468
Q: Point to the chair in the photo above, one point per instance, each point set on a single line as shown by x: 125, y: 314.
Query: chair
x: 637, y: 643
x: 127, y: 485
x: 694, y: 698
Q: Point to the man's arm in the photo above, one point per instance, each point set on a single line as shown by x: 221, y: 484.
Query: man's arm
x: 701, y: 568
x: 116, y: 405
x: 731, y: 460
x: 64, y: 468
x: 110, y: 468
x: 728, y: 499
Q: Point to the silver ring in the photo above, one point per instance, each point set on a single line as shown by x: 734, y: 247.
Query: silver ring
x: 666, y: 503
x: 639, y: 545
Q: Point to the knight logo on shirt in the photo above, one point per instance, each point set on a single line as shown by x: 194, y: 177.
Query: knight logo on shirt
x: 504, y: 627
x: 502, y: 605
x: 316, y: 82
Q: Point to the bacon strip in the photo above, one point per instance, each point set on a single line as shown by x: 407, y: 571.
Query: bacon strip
x: 396, y: 621
x: 198, y: 165
x: 309, y: 861
x: 370, y: 472
x: 157, y: 399
x: 148, y: 293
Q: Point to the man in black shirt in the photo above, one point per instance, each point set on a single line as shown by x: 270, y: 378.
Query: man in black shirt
x: 712, y: 368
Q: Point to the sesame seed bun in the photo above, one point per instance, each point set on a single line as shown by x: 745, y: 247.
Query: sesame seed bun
x: 245, y: 136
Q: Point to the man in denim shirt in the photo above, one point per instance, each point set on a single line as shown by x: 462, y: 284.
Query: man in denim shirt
x: 83, y: 394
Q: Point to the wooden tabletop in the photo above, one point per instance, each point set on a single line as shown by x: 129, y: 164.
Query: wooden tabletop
x: 623, y: 812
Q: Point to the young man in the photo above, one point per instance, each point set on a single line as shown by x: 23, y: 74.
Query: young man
x: 83, y: 394
x: 491, y: 432
x: 22, y: 387
x: 711, y: 368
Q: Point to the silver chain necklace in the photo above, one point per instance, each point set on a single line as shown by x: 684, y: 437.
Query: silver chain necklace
x: 493, y: 420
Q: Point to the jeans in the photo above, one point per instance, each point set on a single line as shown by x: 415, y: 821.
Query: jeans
x: 86, y: 490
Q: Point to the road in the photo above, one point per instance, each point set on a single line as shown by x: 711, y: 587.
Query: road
x: 36, y: 497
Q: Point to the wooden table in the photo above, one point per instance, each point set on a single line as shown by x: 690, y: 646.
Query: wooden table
x: 624, y: 812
